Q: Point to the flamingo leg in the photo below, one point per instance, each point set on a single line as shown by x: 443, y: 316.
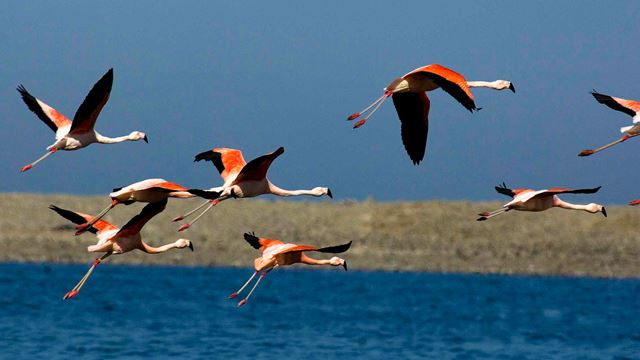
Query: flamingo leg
x: 29, y: 166
x: 380, y: 102
x: 79, y: 285
x: 83, y: 227
x: 264, y: 273
x: 357, y: 115
x: 212, y: 204
x: 489, y: 215
x: 591, y: 152
x: 243, y: 286
x: 181, y: 217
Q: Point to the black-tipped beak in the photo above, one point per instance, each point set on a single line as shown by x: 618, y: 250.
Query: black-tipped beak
x: 512, y: 88
x: 604, y: 212
x: 146, y: 139
x: 329, y: 194
x: 345, y: 266
x: 191, y: 245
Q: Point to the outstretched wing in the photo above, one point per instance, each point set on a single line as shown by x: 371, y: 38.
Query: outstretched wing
x: 50, y: 116
x: 257, y: 168
x: 228, y: 162
x: 85, y: 117
x: 80, y: 218
x: 450, y: 81
x: 557, y: 191
x: 137, y: 222
x: 504, y: 190
x: 413, y: 112
x: 628, y: 107
x: 287, y: 248
x: 260, y: 243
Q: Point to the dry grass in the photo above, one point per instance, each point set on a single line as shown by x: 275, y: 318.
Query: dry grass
x: 422, y: 236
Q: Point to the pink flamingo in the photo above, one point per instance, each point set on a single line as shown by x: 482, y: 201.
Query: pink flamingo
x: 276, y: 253
x: 79, y: 133
x: 412, y: 103
x: 112, y: 240
x: 540, y: 200
x: 629, y: 107
x: 241, y: 180
x: 149, y: 191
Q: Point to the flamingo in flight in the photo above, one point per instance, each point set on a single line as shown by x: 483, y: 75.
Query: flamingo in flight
x: 629, y: 107
x: 79, y: 133
x: 412, y: 103
x: 276, y: 253
x: 241, y: 180
x: 149, y: 191
x: 540, y: 200
x: 112, y: 240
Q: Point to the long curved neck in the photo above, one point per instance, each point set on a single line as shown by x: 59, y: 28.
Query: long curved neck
x: 485, y: 84
x: 107, y: 140
x: 282, y: 192
x: 310, y: 261
x: 156, y: 250
x: 565, y: 205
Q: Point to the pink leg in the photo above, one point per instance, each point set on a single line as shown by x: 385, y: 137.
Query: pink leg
x: 78, y: 286
x: 264, y: 273
x: 29, y: 166
x: 235, y: 294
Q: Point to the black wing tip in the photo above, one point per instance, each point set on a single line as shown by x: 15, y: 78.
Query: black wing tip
x: 205, y: 155
x: 22, y: 90
x: 280, y: 150
x: 336, y: 249
x: 210, y: 195
x: 252, y: 239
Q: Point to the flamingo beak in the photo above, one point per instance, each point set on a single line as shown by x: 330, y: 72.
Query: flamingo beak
x: 146, y: 139
x: 512, y: 88
x: 604, y: 211
x: 329, y: 194
x: 345, y: 266
x: 191, y: 245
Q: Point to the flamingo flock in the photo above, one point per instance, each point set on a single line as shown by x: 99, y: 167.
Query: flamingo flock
x: 243, y: 179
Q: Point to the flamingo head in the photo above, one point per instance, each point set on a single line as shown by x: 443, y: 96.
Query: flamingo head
x: 321, y: 191
x: 504, y: 84
x: 138, y: 135
x: 183, y: 243
x: 336, y: 261
x: 596, y: 208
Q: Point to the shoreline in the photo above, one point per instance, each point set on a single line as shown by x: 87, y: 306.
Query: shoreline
x: 425, y: 236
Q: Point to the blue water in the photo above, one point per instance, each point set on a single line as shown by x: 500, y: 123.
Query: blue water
x: 163, y: 312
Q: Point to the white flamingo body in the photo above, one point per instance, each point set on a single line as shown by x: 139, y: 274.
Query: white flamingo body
x: 242, y: 179
x: 79, y: 133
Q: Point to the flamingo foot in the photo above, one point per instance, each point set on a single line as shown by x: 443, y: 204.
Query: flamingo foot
x: 214, y: 202
x: 634, y: 202
x: 70, y: 294
x: 359, y: 123
x: 235, y: 294
x: 178, y: 218
x: 586, y: 152
x: 482, y: 218
x: 484, y: 214
x: 353, y: 116
x: 26, y: 167
x: 184, y: 227
x: 242, y: 302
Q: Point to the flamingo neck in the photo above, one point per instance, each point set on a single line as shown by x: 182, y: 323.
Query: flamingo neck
x: 566, y: 205
x: 497, y: 85
x: 282, y: 192
x: 310, y: 261
x: 108, y: 140
x: 156, y: 250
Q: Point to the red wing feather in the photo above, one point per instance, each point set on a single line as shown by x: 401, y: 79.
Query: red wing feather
x: 80, y: 218
x: 260, y: 243
x: 451, y: 82
x: 228, y: 162
x: 628, y: 107
x: 50, y: 116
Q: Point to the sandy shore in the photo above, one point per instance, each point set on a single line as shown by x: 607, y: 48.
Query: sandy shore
x: 420, y: 236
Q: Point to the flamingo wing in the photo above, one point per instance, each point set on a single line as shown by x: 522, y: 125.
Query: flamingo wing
x: 504, y: 190
x: 413, y: 111
x: 450, y: 81
x: 50, y: 116
x: 80, y: 218
x: 287, y: 248
x: 629, y: 107
x: 256, y: 169
x: 557, y: 191
x: 85, y: 118
x: 228, y: 162
x: 137, y: 222
x: 260, y: 243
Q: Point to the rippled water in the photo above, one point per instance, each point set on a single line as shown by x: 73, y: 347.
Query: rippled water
x: 162, y: 312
